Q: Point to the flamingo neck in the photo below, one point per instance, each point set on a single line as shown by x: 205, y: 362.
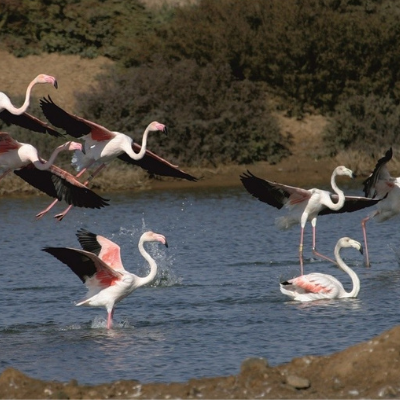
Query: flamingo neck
x: 142, y: 152
x: 42, y: 164
x: 18, y: 111
x: 153, y: 266
x: 339, y: 192
x: 354, y: 278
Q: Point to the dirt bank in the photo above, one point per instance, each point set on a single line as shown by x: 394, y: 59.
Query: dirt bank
x: 367, y: 370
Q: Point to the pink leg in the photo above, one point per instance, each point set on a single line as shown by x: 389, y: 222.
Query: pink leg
x: 60, y: 216
x: 40, y: 215
x: 301, y: 251
x: 109, y: 319
x: 314, y: 246
x: 363, y: 222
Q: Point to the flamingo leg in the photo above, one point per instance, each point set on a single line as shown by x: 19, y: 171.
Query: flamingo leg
x: 109, y: 319
x: 43, y: 212
x: 60, y: 216
x: 364, y: 229
x: 314, y: 246
x: 301, y: 251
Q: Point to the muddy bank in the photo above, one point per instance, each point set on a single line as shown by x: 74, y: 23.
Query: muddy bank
x: 367, y: 370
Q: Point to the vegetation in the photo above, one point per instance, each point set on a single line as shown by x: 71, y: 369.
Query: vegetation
x: 209, y: 69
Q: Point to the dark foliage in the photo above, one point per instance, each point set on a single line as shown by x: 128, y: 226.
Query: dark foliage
x: 213, y: 118
x: 324, y: 55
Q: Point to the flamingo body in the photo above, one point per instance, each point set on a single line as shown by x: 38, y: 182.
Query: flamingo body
x: 317, y: 286
x: 98, y: 264
x: 304, y: 204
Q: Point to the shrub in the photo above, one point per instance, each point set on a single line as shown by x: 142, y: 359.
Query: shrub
x: 213, y: 117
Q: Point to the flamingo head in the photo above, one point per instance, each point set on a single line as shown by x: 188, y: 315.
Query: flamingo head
x: 74, y: 146
x: 348, y: 242
x: 156, y: 126
x: 43, y: 78
x: 150, y: 236
x: 342, y: 170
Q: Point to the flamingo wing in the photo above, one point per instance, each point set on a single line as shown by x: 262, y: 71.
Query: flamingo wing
x: 105, y: 249
x: 28, y: 121
x: 379, y: 173
x: 74, y: 126
x: 57, y: 183
x: 85, y: 264
x: 314, y: 283
x: 351, y: 204
x: 273, y: 193
x: 8, y: 143
x: 154, y: 164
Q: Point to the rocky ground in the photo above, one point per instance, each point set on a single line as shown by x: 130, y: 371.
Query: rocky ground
x: 368, y: 370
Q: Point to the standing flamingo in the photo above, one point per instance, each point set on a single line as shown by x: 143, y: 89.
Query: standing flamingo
x: 304, y: 205
x: 317, y: 286
x: 24, y: 160
x: 99, y: 266
x: 13, y: 115
x: 382, y: 186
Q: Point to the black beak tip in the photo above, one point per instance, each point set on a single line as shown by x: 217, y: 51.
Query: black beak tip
x: 166, y: 130
x: 56, y: 84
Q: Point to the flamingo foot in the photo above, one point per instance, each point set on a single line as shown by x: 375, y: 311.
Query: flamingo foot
x: 41, y: 214
x: 59, y: 217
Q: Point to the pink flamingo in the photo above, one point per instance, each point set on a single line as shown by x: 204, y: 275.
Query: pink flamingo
x: 13, y: 115
x: 101, y: 146
x: 317, y: 286
x: 23, y: 159
x: 100, y: 268
x: 380, y: 184
x: 304, y: 205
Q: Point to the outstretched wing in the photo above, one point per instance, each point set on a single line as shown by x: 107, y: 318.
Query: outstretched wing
x: 351, y: 204
x: 273, y: 193
x: 72, y: 124
x: 380, y: 173
x: 57, y: 183
x: 105, y: 249
x: 28, y: 121
x: 84, y: 264
x: 154, y: 164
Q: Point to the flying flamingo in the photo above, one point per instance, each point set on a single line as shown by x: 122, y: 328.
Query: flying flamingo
x: 100, y: 268
x: 304, y: 204
x: 101, y: 146
x: 13, y: 115
x: 24, y: 160
x: 317, y: 286
x: 382, y: 186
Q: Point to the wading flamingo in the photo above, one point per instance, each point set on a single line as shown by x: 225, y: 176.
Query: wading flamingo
x: 17, y: 116
x: 100, y: 268
x: 382, y: 186
x: 24, y: 160
x: 316, y: 286
x: 304, y: 204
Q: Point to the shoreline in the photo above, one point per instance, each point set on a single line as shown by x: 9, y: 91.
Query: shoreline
x: 366, y: 370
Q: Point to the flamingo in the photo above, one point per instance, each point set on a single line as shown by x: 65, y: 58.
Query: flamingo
x: 13, y: 115
x: 100, y: 268
x: 23, y: 159
x: 317, y: 286
x: 380, y: 184
x: 304, y: 204
x: 101, y: 146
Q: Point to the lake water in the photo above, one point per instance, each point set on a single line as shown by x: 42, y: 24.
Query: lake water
x: 215, y: 300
